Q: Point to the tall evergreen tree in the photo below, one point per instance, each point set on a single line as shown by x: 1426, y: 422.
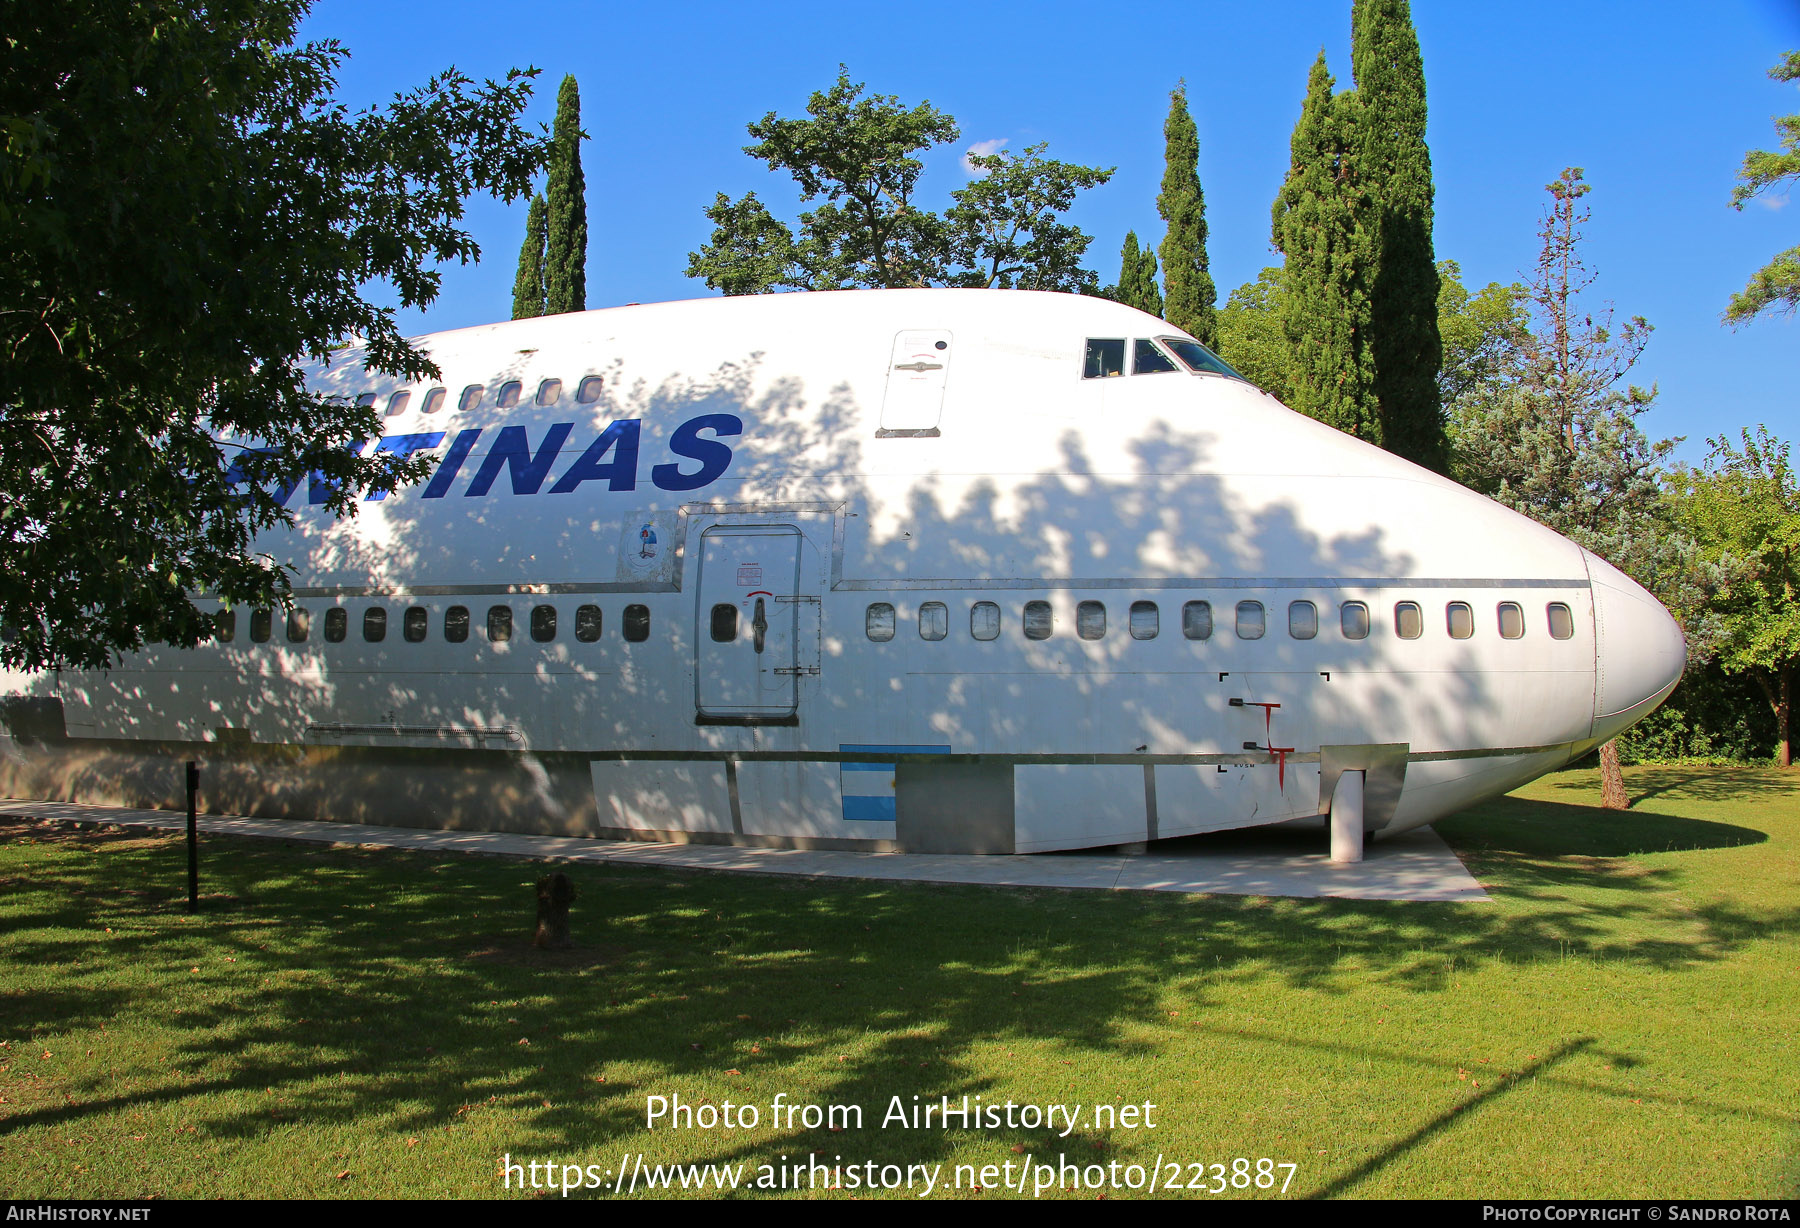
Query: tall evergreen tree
x: 1394, y: 164
x: 1322, y: 225
x: 1191, y: 298
x: 1137, y: 277
x: 528, y: 286
x: 565, y: 245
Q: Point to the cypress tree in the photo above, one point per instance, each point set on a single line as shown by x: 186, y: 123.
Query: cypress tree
x: 1321, y: 224
x: 1393, y: 161
x: 528, y: 286
x: 565, y: 247
x: 1137, y: 277
x: 1191, y: 297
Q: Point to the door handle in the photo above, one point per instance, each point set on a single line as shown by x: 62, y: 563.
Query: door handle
x: 759, y: 624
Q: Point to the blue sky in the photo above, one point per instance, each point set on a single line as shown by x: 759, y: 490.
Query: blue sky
x: 1657, y: 101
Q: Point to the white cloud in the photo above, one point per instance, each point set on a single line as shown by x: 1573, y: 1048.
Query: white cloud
x: 983, y: 149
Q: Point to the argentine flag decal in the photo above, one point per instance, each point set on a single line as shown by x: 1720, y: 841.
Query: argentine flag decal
x: 868, y: 788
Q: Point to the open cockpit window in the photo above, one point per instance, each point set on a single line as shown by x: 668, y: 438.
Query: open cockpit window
x: 1197, y: 357
x: 1146, y: 359
x: 1105, y: 358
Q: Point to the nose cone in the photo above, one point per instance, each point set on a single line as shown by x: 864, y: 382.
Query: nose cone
x: 1638, y: 649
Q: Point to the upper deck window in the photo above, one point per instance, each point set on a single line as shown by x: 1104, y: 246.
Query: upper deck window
x: 471, y: 397
x: 434, y: 401
x: 589, y: 391
x: 1198, y: 358
x: 509, y: 393
x: 397, y: 403
x: 549, y: 392
x: 1146, y: 359
x: 1105, y: 358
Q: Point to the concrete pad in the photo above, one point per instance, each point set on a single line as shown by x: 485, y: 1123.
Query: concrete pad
x: 1262, y: 861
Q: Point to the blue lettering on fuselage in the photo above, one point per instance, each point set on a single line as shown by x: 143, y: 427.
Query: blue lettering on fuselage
x: 612, y: 457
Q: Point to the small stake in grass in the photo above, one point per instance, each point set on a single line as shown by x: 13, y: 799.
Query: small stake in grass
x: 193, y: 790
x: 554, y: 895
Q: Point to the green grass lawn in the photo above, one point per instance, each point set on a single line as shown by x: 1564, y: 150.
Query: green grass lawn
x: 1619, y: 1021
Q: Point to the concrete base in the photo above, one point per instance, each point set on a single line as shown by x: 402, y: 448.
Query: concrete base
x: 1260, y: 861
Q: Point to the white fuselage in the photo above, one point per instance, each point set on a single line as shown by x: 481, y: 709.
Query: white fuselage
x: 884, y: 569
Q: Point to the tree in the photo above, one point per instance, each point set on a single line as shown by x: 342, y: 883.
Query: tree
x: 1561, y: 443
x: 1252, y: 337
x: 1393, y: 164
x: 1483, y: 335
x: 528, y: 285
x: 1137, y: 277
x: 186, y: 216
x: 565, y: 235
x: 858, y: 155
x: 1323, y: 224
x: 1743, y: 505
x: 1776, y: 284
x: 1191, y: 300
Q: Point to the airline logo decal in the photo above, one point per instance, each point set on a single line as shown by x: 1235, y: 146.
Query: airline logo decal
x: 611, y: 458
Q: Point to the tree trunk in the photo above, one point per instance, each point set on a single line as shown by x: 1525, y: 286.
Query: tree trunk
x: 554, y: 894
x: 1612, y: 779
x: 1783, y: 748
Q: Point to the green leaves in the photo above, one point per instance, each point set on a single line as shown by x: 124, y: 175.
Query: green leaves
x: 858, y: 156
x: 195, y: 216
x: 1192, y: 300
x: 1776, y: 284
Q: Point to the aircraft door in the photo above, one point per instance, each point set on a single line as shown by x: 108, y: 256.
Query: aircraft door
x: 917, y: 372
x: 746, y: 640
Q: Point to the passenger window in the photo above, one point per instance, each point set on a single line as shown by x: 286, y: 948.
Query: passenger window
x: 1038, y: 621
x: 1303, y: 620
x: 366, y: 401
x: 415, y: 623
x: 878, y: 621
x: 456, y: 624
x: 1196, y: 620
x: 637, y: 624
x: 1105, y: 358
x: 589, y: 391
x: 499, y: 623
x: 434, y: 401
x: 374, y: 624
x: 337, y: 624
x: 397, y: 403
x: 934, y: 620
x: 262, y: 623
x: 549, y: 392
x: 1512, y: 621
x: 299, y: 625
x: 509, y: 393
x: 543, y: 623
x: 225, y: 626
x: 1090, y: 620
x: 1146, y: 620
x: 471, y: 397
x: 1409, y: 620
x: 1461, y: 620
x: 1562, y: 622
x: 724, y: 623
x: 1353, y: 620
x: 984, y: 620
x: 1251, y: 620
x: 587, y: 623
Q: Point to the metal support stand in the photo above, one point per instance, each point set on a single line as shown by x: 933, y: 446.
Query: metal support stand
x: 1347, y: 819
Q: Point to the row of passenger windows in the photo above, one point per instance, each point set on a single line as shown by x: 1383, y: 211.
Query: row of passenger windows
x: 415, y: 624
x: 549, y: 392
x: 1144, y: 620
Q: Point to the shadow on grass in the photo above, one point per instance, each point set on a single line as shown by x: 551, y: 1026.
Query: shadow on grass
x: 352, y: 985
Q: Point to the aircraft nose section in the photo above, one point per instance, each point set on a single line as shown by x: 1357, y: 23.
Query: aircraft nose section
x: 1639, y: 651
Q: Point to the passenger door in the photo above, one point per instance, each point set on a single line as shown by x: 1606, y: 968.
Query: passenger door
x: 746, y: 637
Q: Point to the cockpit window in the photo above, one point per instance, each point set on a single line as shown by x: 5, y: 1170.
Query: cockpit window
x: 1198, y: 358
x: 1105, y: 358
x: 1146, y: 359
